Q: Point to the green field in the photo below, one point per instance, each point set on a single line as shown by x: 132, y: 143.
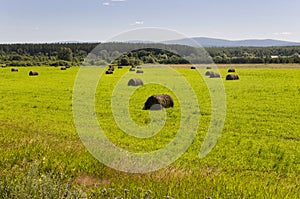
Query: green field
x: 257, y: 155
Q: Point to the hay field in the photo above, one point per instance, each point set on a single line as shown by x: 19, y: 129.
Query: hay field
x: 257, y: 155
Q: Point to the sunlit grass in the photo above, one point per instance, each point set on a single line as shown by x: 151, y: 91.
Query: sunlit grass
x: 257, y: 156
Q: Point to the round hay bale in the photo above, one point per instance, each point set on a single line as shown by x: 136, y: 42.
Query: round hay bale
x: 132, y: 69
x: 111, y: 68
x: 120, y: 67
x: 33, y: 73
x: 214, y: 75
x: 193, y: 67
x: 109, y: 72
x: 138, y: 67
x: 68, y: 66
x: 139, y: 71
x: 63, y: 68
x: 14, y: 70
x: 208, y: 67
x: 232, y: 77
x: 135, y: 82
x: 231, y: 70
x: 208, y: 73
x: 157, y: 102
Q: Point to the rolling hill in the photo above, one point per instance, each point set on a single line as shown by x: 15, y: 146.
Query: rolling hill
x: 212, y: 42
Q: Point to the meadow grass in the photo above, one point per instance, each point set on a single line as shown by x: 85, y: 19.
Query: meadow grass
x: 257, y: 156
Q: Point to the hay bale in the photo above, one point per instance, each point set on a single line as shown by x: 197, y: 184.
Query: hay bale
x: 193, y: 67
x: 111, y: 68
x: 14, y: 70
x: 120, y: 67
x: 33, y: 73
x: 232, y: 77
x: 208, y: 73
x: 135, y: 82
x: 132, y: 69
x: 68, y: 66
x: 63, y: 68
x: 138, y: 67
x: 139, y: 71
x: 214, y: 75
x: 157, y: 102
x: 109, y: 72
x: 208, y: 67
x: 231, y: 70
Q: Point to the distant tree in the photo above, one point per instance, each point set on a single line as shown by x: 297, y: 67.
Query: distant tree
x: 103, y: 54
x: 148, y: 60
x: 296, y: 58
x: 65, y: 54
x: 124, y: 61
x: 82, y: 53
x: 116, y: 54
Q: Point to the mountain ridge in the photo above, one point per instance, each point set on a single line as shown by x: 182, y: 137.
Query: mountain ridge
x: 214, y: 42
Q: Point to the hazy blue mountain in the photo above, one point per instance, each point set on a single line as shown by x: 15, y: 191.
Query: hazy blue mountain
x: 211, y: 42
x: 140, y: 41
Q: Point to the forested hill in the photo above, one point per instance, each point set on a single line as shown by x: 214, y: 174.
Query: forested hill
x: 74, y: 53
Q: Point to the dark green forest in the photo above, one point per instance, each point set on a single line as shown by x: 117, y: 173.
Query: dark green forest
x: 75, y: 54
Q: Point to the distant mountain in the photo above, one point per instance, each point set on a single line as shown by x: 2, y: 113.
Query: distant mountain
x: 140, y: 42
x: 211, y: 42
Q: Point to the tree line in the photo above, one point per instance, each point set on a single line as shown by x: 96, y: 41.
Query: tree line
x: 267, y: 55
x: 75, y: 54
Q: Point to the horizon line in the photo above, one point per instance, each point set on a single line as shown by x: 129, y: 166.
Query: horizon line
x: 129, y: 41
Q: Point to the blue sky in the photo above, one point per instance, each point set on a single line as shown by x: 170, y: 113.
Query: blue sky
x: 99, y: 20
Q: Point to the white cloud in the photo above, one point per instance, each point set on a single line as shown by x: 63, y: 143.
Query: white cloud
x: 282, y: 33
x: 112, y: 2
x: 137, y: 23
